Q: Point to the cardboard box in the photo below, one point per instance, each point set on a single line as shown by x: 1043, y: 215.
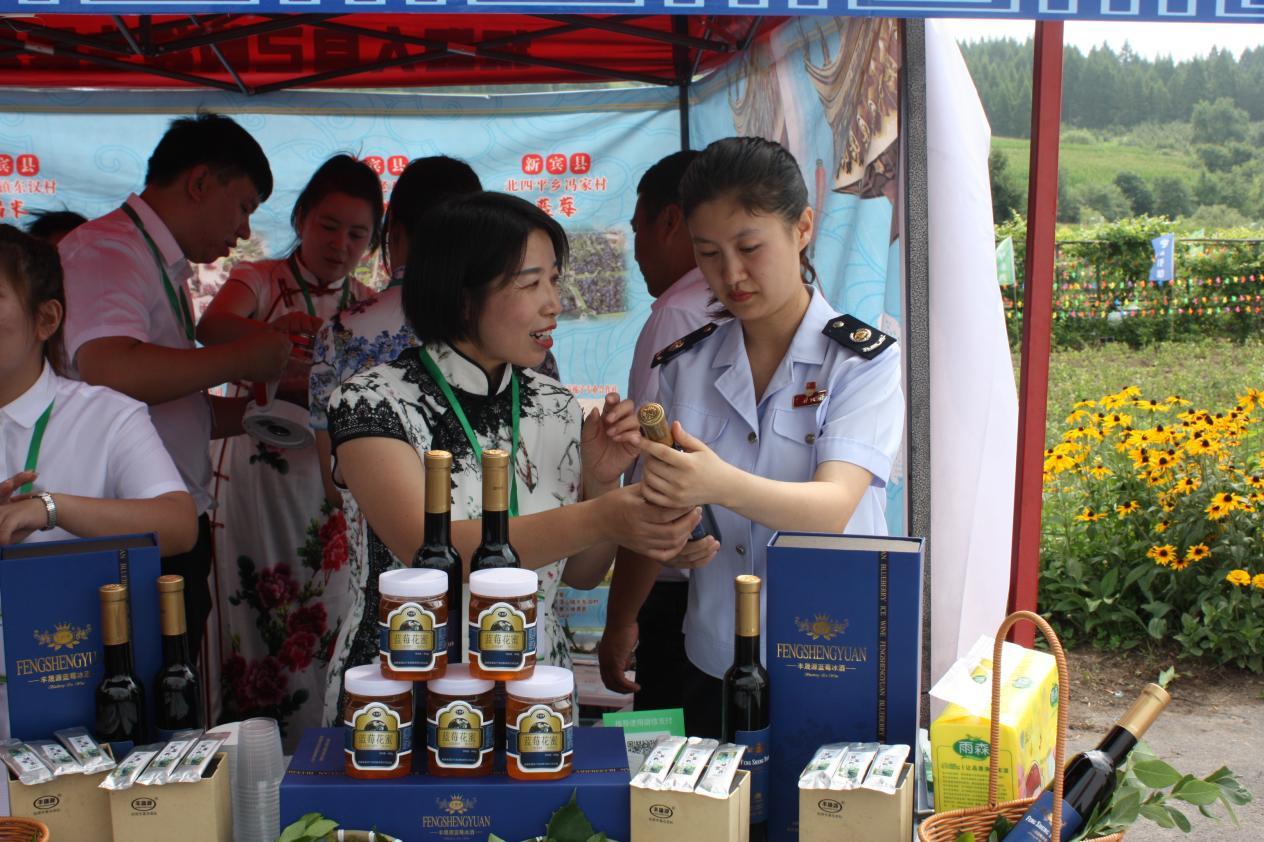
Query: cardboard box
x: 425, y: 808
x: 1029, y: 726
x: 200, y: 812
x: 827, y: 815
x: 843, y: 649
x: 676, y: 816
x: 73, y: 806
x: 52, y: 625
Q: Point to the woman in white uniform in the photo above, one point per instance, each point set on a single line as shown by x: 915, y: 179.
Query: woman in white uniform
x: 481, y: 290
x: 281, y: 556
x: 790, y: 414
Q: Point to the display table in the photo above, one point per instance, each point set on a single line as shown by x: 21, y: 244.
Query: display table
x: 424, y: 808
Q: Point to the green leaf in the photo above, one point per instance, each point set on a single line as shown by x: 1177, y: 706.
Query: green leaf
x: 1158, y: 814
x: 1197, y: 792
x: 1156, y: 774
x: 491, y: 837
x: 1166, y: 676
x: 965, y: 836
x: 1110, y: 582
x: 598, y: 837
x: 1179, y: 818
x: 1125, y: 809
x: 1157, y: 628
x: 569, y: 824
x: 322, y: 828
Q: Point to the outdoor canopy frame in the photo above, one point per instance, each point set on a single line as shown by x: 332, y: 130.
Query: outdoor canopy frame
x: 659, y: 42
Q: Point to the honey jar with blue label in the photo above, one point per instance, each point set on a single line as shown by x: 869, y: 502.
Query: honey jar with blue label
x: 502, y: 623
x: 460, y: 721
x: 378, y: 724
x: 540, y: 725
x: 413, y: 624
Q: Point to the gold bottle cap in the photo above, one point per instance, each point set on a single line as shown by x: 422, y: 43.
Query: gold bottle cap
x: 747, y: 588
x: 113, y: 614
x: 113, y: 593
x: 438, y: 481
x: 170, y: 584
x: 495, y: 480
x: 171, y: 605
x: 1145, y: 710
x: 653, y: 421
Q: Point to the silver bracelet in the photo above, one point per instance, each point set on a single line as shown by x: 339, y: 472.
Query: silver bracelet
x: 50, y: 506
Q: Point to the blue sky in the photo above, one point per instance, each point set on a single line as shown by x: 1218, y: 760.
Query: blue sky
x: 1179, y: 40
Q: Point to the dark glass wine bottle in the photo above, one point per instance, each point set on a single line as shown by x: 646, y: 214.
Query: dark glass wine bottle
x: 655, y: 427
x: 437, y: 552
x: 495, y: 551
x: 177, y: 689
x: 744, y: 710
x: 120, y: 697
x: 1090, y: 776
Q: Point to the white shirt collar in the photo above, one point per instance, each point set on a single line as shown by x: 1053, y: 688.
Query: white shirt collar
x: 27, y: 407
x: 809, y: 344
x: 463, y: 373
x: 170, y: 250
x: 310, y: 279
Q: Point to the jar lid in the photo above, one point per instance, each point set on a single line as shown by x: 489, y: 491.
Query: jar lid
x: 457, y: 681
x: 369, y: 681
x: 545, y: 683
x: 504, y: 581
x: 419, y: 583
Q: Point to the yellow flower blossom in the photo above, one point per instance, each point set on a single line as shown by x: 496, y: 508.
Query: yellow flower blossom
x: 1185, y: 485
x: 1258, y: 581
x: 1077, y: 416
x: 1163, y: 555
x: 1239, y: 578
x: 1202, y: 445
x: 1084, y: 404
x: 1127, y: 508
x: 1198, y: 552
x: 1177, y: 400
x: 1181, y: 563
x: 1089, y: 516
x: 1217, y: 511
x: 1100, y: 471
x: 1152, y: 405
x: 1162, y: 526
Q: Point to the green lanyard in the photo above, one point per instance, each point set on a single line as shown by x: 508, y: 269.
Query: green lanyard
x: 179, y: 304
x: 302, y: 287
x: 437, y: 376
x: 32, y: 451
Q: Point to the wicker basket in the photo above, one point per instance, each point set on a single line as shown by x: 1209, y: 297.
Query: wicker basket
x: 23, y: 830
x: 944, y: 827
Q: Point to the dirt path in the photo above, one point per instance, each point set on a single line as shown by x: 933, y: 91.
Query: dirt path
x: 1216, y: 719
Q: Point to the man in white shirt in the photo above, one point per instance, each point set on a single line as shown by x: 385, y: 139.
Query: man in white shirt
x: 664, y: 253
x: 129, y: 322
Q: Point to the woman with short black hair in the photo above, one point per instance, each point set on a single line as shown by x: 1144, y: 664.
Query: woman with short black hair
x: 481, y: 291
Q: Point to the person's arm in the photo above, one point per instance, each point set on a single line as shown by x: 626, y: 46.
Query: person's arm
x: 156, y: 374
x: 226, y: 416
x: 231, y: 313
x: 324, y: 448
x: 172, y: 516
x: 388, y: 481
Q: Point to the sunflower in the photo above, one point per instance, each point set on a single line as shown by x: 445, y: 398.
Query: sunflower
x: 1089, y: 516
x: 1181, y: 563
x: 1100, y: 471
x: 1127, y: 509
x: 1177, y: 400
x: 1185, y: 485
x: 1084, y: 404
x: 1258, y: 581
x: 1162, y: 526
x: 1216, y: 511
x: 1163, y: 555
x: 1197, y: 552
x: 1239, y: 578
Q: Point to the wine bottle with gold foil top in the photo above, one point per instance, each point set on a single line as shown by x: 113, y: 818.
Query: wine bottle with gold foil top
x: 655, y: 427
x: 437, y: 552
x: 495, y: 550
x: 1090, y: 776
x: 120, y: 697
x: 744, y: 707
x: 177, y: 689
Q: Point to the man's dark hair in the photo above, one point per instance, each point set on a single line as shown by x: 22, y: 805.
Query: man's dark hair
x: 461, y: 252
x: 341, y: 174
x: 660, y: 186
x: 214, y: 140
x: 425, y: 183
x: 46, y: 224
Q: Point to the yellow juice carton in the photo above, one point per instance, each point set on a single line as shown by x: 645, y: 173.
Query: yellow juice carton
x: 1029, y: 724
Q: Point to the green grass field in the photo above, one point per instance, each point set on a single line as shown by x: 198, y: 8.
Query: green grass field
x: 1099, y: 163
x: 1211, y: 373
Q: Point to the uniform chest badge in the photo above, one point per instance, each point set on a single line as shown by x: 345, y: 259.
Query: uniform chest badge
x: 810, y: 396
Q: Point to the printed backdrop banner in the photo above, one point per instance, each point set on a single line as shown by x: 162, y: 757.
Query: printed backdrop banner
x: 828, y: 90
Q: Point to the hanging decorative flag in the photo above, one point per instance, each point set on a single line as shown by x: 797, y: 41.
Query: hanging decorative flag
x: 1164, y: 248
x: 1005, y: 262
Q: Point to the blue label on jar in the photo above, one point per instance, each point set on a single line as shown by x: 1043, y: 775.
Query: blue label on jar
x: 501, y: 638
x: 1036, y: 825
x: 540, y: 741
x: 410, y: 638
x: 458, y: 736
x: 755, y: 761
x: 376, y: 739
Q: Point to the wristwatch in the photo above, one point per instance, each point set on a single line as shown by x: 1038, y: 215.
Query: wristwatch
x: 50, y: 506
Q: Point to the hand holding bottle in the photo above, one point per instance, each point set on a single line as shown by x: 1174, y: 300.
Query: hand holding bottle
x: 262, y: 355
x: 655, y: 532
x: 608, y: 442
x: 690, y: 474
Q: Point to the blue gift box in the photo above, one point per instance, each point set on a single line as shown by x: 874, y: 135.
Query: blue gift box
x: 843, y: 650
x: 52, y: 625
x: 425, y: 808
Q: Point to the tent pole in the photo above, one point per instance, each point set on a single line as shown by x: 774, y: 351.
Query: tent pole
x: 684, y: 75
x: 1042, y: 213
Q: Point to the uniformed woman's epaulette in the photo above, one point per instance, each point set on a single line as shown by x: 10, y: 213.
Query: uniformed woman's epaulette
x: 855, y: 335
x: 683, y: 344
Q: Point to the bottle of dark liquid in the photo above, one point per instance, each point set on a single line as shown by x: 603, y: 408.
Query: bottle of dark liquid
x: 655, y: 427
x: 120, y: 702
x: 1090, y: 776
x: 744, y: 711
x: 177, y: 690
x: 437, y: 552
x: 495, y: 550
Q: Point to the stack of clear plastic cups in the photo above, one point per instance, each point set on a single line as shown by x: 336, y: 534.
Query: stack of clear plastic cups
x: 259, y: 768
